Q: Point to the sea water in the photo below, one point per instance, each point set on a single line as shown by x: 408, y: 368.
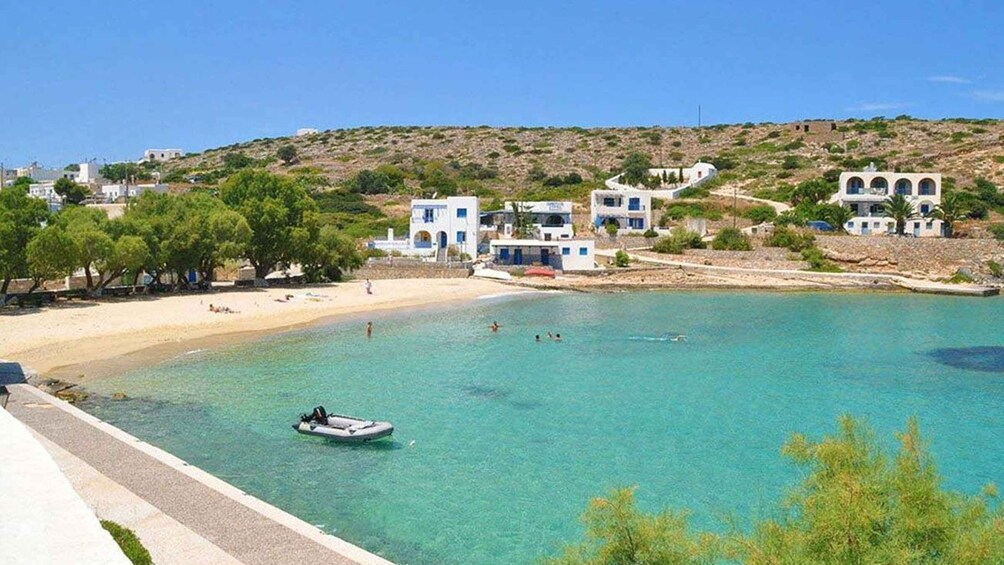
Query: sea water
x: 501, y: 440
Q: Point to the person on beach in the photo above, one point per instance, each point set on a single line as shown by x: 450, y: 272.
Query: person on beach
x: 369, y: 329
x: 495, y: 326
x: 369, y: 286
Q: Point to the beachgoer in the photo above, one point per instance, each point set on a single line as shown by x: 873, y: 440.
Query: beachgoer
x: 369, y: 287
x: 369, y: 329
x: 557, y: 337
x: 679, y: 337
x: 549, y: 336
x: 211, y: 309
x: 495, y: 326
x: 537, y: 338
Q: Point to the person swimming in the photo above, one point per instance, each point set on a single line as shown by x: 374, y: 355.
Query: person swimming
x: 495, y: 326
x: 537, y: 338
x: 557, y: 337
x: 678, y: 337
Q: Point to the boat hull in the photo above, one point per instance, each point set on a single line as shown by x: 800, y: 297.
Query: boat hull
x: 378, y: 430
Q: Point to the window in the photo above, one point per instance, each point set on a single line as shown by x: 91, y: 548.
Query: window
x: 427, y: 215
x: 583, y: 251
x: 925, y: 208
x: 461, y: 237
x: 504, y: 254
x: 634, y: 204
x: 461, y: 212
x: 566, y: 250
x: 930, y: 225
x: 636, y: 223
x: 876, y: 224
x: 850, y: 224
x: 608, y: 201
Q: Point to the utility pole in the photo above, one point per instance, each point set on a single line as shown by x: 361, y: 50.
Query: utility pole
x: 698, y: 116
x: 735, y: 203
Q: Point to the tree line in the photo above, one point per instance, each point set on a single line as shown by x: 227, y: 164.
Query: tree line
x: 269, y: 220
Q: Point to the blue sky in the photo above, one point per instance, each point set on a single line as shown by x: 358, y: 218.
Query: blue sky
x: 108, y: 79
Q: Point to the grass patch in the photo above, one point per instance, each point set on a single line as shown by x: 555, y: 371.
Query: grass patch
x: 128, y: 543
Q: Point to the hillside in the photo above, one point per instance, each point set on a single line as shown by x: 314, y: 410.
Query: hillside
x: 534, y: 162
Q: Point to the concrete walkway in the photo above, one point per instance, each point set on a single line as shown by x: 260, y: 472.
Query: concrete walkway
x: 779, y: 207
x: 42, y: 520
x: 179, y: 496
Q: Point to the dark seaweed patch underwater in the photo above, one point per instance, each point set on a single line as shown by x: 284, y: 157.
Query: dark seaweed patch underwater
x: 986, y: 359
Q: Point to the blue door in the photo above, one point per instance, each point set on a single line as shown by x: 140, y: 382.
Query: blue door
x: 517, y: 256
x: 442, y: 240
x: 545, y: 257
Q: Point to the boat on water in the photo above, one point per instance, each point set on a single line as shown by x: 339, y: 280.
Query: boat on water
x: 345, y: 429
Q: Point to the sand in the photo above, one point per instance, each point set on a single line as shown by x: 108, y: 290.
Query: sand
x: 77, y: 341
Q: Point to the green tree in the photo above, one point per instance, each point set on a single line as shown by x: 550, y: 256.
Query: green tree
x: 331, y: 256
x: 621, y: 258
x: 21, y: 217
x: 50, y: 255
x: 900, y: 209
x: 812, y: 191
x: 102, y: 248
x: 237, y: 161
x: 70, y: 191
x: 119, y: 172
x: 635, y: 168
x: 952, y: 209
x: 369, y: 182
x: 286, y: 153
x: 837, y: 216
x: 282, y: 217
x: 760, y: 213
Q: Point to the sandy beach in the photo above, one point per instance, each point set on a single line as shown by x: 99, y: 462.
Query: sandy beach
x: 78, y: 341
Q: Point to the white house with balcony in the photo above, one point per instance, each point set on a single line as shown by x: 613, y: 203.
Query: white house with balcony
x: 550, y: 220
x: 672, y: 180
x: 864, y: 192
x: 437, y: 225
x: 46, y: 191
x: 564, y: 254
x: 630, y: 210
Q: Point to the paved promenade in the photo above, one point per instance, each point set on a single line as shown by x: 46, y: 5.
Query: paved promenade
x: 245, y: 528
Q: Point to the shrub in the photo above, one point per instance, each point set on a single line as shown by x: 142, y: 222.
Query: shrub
x: 676, y: 242
x: 611, y: 229
x: 995, y: 268
x: 621, y: 258
x: 790, y: 163
x: 997, y: 230
x: 731, y: 239
x: 959, y: 278
x: 128, y: 543
x: 650, y: 233
x: 760, y: 213
x: 817, y: 262
x: 790, y: 239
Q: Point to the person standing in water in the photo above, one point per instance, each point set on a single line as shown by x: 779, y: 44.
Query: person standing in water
x: 369, y: 329
x: 495, y: 326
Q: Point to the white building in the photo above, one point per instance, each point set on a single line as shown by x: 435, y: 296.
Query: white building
x: 564, y: 255
x: 672, y: 180
x: 305, y: 131
x: 112, y: 192
x: 41, y: 174
x: 865, y: 191
x: 437, y: 225
x: 161, y: 154
x: 629, y: 209
x: 46, y: 191
x: 550, y: 219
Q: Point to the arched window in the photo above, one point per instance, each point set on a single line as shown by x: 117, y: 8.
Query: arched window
x: 927, y: 187
x: 904, y: 187
x: 855, y: 185
x: 879, y: 185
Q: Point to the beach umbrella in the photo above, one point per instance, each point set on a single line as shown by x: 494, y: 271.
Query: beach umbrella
x: 10, y: 374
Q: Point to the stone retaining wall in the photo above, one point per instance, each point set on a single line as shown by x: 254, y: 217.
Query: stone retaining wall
x: 403, y: 269
x: 930, y: 257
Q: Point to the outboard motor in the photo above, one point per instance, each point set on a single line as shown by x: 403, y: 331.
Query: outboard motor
x: 320, y: 415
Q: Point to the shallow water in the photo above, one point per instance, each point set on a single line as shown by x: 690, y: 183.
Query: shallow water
x: 500, y: 441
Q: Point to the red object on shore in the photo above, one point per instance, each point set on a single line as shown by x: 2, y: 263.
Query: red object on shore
x: 539, y: 272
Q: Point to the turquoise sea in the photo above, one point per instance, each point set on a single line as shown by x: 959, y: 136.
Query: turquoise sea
x: 501, y: 441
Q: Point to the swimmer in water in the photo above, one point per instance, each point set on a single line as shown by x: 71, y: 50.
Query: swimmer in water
x: 369, y: 329
x: 495, y: 326
x: 537, y: 338
x: 679, y: 337
x: 557, y: 337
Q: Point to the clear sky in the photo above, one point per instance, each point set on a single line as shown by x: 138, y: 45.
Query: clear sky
x: 109, y: 79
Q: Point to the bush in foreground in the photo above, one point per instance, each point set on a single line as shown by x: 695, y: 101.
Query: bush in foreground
x: 856, y: 504
x: 731, y: 239
x: 128, y: 543
x: 621, y: 258
x: 790, y: 239
x: 677, y: 241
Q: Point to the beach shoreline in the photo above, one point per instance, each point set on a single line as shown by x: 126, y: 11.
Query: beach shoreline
x: 78, y: 342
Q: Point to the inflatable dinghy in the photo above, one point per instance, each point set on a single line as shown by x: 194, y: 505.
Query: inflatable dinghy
x: 346, y: 429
